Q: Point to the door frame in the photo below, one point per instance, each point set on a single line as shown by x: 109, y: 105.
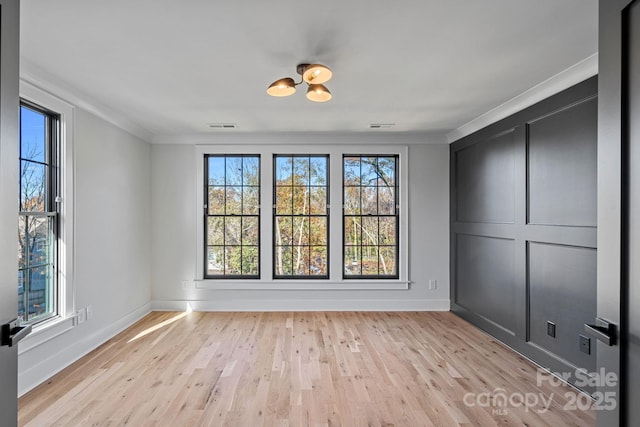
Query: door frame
x: 613, y: 198
x: 9, y: 177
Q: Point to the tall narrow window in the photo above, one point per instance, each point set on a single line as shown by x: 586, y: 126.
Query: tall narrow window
x: 370, y: 216
x: 38, y: 223
x: 232, y: 216
x: 301, y: 216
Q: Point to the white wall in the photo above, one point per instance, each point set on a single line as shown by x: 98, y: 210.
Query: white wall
x: 174, y: 229
x: 135, y: 234
x: 112, y: 245
x: 113, y: 197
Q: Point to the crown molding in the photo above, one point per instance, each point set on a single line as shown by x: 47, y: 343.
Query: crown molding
x: 557, y: 83
x: 40, y: 78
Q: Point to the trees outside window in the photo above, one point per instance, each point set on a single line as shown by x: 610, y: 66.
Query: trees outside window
x: 232, y: 216
x: 38, y: 221
x: 370, y: 216
x: 300, y: 245
x: 301, y: 216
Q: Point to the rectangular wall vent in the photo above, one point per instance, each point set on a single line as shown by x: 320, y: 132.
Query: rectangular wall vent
x: 222, y: 125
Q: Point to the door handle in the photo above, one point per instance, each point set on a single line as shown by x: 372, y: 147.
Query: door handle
x: 603, y: 330
x: 11, y: 333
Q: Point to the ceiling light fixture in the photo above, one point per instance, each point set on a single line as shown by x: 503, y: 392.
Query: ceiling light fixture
x: 312, y: 74
x: 318, y: 93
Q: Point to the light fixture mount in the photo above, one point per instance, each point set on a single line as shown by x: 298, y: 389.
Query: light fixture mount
x: 314, y: 75
x: 300, y: 68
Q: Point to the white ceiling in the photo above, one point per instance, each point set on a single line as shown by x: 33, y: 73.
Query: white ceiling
x: 173, y: 67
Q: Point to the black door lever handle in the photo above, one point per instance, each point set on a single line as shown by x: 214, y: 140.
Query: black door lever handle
x: 603, y: 331
x: 11, y: 333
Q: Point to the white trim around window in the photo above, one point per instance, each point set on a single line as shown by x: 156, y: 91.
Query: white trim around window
x: 335, y: 281
x: 65, y: 319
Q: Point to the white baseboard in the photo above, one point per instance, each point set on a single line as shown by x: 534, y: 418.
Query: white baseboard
x: 302, y: 305
x: 51, y: 364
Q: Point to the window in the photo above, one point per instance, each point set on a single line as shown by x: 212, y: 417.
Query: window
x: 45, y: 201
x: 300, y: 245
x: 370, y: 219
x: 301, y: 216
x: 38, y: 224
x: 232, y: 216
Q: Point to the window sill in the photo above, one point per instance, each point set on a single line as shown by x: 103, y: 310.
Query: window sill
x: 307, y: 285
x: 46, y: 331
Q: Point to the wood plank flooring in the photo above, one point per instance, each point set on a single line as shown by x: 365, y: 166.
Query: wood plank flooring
x: 300, y: 369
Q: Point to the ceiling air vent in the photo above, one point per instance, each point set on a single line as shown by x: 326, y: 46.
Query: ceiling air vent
x: 222, y: 125
x: 381, y: 125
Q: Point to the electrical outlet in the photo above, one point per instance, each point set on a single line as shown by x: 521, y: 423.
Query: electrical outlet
x: 89, y: 312
x: 187, y: 284
x: 585, y: 344
x: 433, y: 284
x: 551, y: 329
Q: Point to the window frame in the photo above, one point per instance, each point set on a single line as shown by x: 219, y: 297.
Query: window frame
x: 310, y: 145
x: 207, y: 214
x: 327, y: 215
x: 362, y: 215
x: 51, y: 209
x: 66, y: 316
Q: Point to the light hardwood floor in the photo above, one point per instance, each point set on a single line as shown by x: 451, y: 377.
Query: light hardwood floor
x: 300, y: 369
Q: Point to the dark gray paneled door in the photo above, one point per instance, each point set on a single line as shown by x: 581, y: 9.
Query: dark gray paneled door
x: 619, y: 205
x: 9, y: 119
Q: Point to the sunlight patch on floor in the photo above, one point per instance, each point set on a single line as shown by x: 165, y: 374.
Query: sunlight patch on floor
x: 160, y: 325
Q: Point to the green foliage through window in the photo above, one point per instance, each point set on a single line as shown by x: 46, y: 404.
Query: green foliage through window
x: 232, y: 216
x: 301, y: 216
x: 370, y: 216
x: 300, y: 235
